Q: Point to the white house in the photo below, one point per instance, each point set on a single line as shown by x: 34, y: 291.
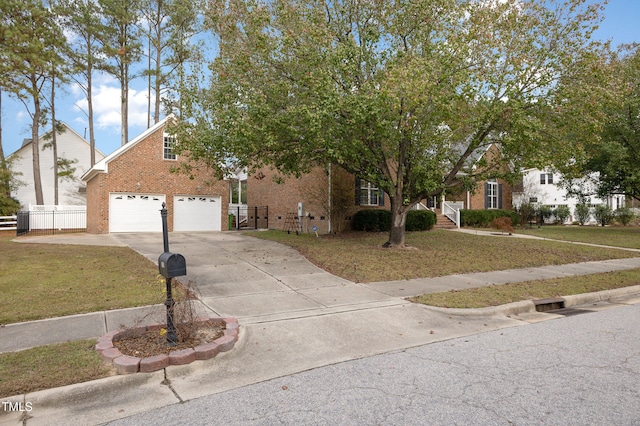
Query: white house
x: 71, y: 190
x: 542, y: 187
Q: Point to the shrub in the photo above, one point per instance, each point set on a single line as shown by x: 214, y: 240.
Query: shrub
x: 502, y: 224
x: 544, y: 213
x: 624, y: 215
x: 372, y: 220
x: 483, y: 218
x: 420, y: 220
x: 562, y: 213
x: 583, y: 212
x: 526, y: 213
x: 604, y: 214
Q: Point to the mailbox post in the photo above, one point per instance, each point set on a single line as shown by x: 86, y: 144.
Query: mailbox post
x: 170, y: 265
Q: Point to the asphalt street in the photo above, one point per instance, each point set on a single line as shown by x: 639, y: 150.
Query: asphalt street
x: 578, y: 370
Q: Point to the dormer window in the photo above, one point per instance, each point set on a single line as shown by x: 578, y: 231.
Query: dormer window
x: 167, y: 149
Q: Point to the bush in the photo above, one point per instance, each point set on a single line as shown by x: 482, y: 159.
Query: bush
x: 483, y: 218
x: 420, y: 220
x: 375, y: 220
x: 604, y: 214
x: 583, y: 212
x: 526, y: 213
x: 624, y: 215
x: 544, y: 213
x: 372, y: 220
x: 502, y: 224
x: 562, y: 213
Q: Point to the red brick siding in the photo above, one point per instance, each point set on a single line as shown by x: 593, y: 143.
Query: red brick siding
x: 144, y: 164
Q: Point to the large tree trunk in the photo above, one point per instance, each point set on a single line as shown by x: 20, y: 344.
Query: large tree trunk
x: 398, y: 220
x: 35, y: 143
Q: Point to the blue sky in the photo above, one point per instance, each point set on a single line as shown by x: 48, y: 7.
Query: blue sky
x: 620, y: 26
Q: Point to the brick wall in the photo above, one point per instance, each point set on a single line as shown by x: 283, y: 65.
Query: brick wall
x: 282, y: 195
x: 144, y: 164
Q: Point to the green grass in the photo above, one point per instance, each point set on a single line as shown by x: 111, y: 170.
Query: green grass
x: 49, y: 280
x: 50, y: 366
x: 541, y: 289
x: 618, y: 236
x: 45, y: 280
x: 359, y: 256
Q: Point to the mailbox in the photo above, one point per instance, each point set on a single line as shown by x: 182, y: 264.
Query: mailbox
x: 172, y: 265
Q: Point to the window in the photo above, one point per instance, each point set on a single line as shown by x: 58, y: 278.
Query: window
x: 546, y: 178
x: 238, y: 192
x: 367, y: 194
x: 167, y: 151
x: 492, y: 194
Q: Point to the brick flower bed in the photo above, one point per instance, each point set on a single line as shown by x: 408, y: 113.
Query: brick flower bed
x: 127, y: 364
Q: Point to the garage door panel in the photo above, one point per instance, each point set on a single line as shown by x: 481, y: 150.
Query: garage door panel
x: 135, y: 212
x: 197, y: 213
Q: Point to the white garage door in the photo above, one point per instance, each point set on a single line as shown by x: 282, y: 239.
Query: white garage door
x: 135, y: 212
x: 196, y: 213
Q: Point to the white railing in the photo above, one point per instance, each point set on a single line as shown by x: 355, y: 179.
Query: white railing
x: 240, y: 214
x: 57, y: 217
x: 420, y: 206
x: 452, y: 211
x: 8, y: 223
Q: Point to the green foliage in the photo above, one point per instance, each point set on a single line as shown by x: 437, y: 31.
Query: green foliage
x: 526, y: 213
x: 624, y: 215
x: 582, y: 212
x: 372, y: 220
x: 544, y: 213
x: 8, y: 206
x: 604, y: 214
x: 401, y: 94
x: 420, y: 220
x: 483, y: 218
x: 562, y: 213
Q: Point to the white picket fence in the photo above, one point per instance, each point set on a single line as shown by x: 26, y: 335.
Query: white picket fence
x: 57, y: 217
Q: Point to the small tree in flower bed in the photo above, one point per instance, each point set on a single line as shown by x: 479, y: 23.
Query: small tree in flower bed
x: 502, y: 224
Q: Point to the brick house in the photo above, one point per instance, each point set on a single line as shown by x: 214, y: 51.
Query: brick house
x: 491, y: 193
x: 126, y: 189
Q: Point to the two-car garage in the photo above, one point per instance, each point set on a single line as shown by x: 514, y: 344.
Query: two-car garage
x: 135, y: 212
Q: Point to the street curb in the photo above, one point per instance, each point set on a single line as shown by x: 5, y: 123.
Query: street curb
x: 528, y: 306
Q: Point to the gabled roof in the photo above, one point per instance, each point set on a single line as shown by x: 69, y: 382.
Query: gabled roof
x: 27, y: 141
x: 102, y: 166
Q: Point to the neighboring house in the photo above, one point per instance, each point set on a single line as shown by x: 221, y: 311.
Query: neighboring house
x: 542, y: 188
x: 126, y: 189
x: 493, y: 193
x: 71, y: 190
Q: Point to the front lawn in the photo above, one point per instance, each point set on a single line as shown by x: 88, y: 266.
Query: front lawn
x: 358, y: 256
x: 49, y: 280
x: 618, y: 236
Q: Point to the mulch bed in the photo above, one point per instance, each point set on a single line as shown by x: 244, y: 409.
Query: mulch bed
x: 150, y: 342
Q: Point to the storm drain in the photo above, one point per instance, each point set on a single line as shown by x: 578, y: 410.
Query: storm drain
x: 546, y: 305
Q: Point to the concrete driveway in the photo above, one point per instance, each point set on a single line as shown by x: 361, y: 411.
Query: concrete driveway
x: 249, y: 278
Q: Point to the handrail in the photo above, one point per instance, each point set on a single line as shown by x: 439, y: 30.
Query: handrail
x: 452, y: 211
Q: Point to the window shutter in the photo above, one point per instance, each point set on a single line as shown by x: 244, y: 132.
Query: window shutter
x: 381, y: 198
x: 500, y: 196
x: 486, y: 195
x: 358, y: 184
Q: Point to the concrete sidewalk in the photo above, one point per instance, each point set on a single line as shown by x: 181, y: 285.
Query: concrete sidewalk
x: 293, y: 317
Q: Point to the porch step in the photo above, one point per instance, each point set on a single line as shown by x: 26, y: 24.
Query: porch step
x: 443, y: 222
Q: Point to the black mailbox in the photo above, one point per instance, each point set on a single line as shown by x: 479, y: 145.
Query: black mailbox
x: 172, y: 265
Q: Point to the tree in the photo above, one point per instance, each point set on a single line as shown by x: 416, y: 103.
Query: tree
x: 121, y: 45
x: 32, y: 43
x: 401, y: 94
x: 615, y: 158
x: 168, y: 27
x: 82, y: 19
